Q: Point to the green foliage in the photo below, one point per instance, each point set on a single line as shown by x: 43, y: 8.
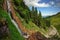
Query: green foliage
x: 17, y: 2
x: 33, y: 10
x: 33, y: 15
x: 26, y: 14
x: 54, y: 38
x: 37, y: 18
x: 14, y: 34
x: 48, y: 23
x: 22, y: 9
x: 40, y: 19
x: 55, y: 20
x: 1, y: 2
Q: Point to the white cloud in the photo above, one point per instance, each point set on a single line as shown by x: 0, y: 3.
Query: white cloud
x: 35, y: 3
x: 43, y: 5
x: 30, y: 2
x: 47, y: 14
x: 52, y: 2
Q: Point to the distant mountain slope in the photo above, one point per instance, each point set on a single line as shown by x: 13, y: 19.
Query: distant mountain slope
x: 55, y: 20
x: 29, y: 19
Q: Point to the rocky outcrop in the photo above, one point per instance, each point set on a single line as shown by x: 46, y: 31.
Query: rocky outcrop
x: 37, y: 36
x: 3, y: 29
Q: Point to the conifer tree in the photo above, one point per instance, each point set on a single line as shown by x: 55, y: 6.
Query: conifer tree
x: 39, y: 18
x: 1, y: 2
x: 32, y: 13
x: 42, y: 22
x: 48, y: 23
x: 36, y: 16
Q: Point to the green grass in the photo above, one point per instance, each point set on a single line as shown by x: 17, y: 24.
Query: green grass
x: 31, y: 26
x: 14, y: 34
x: 58, y: 28
x: 55, y: 20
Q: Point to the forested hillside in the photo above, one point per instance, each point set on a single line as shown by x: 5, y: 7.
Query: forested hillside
x: 55, y: 20
x: 21, y: 23
x: 10, y: 32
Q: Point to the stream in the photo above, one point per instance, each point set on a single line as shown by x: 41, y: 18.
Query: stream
x: 12, y: 20
x: 9, y: 11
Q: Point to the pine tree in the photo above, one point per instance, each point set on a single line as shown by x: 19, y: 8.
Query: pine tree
x: 41, y: 21
x: 48, y: 23
x: 39, y: 18
x: 36, y: 16
x: 32, y: 13
x: 33, y: 9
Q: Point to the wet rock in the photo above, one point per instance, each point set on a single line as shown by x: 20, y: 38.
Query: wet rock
x: 3, y: 29
x: 37, y: 36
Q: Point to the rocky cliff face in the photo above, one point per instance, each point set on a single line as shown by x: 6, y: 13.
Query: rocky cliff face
x: 37, y: 36
x: 3, y: 29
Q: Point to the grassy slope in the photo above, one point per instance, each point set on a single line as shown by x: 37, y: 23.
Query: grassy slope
x: 23, y: 9
x: 55, y: 20
x: 13, y: 31
x: 32, y: 26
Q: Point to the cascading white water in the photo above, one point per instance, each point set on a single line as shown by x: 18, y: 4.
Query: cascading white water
x: 16, y: 25
x: 9, y: 10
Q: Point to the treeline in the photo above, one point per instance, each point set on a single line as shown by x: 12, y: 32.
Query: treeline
x: 37, y: 18
x: 32, y: 15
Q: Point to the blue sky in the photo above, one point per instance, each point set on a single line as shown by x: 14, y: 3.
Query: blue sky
x: 47, y: 7
x: 48, y: 11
